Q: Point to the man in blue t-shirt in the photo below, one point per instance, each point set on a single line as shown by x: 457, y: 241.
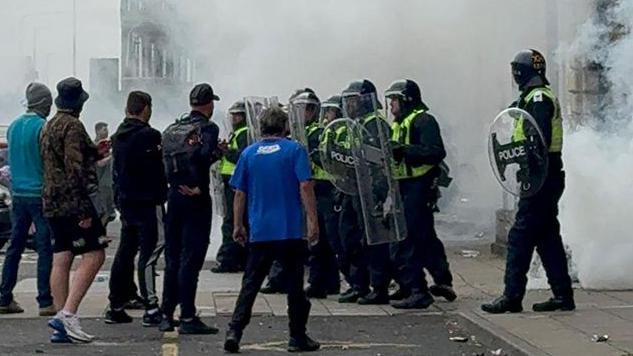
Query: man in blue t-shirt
x: 272, y: 179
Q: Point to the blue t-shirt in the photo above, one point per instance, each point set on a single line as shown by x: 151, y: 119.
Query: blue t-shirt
x: 270, y: 172
x: 25, y: 159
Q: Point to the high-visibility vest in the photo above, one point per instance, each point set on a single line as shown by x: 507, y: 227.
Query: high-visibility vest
x: 318, y: 173
x: 401, y: 133
x: 228, y: 167
x: 556, y: 146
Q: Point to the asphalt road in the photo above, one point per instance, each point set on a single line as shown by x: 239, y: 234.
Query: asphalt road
x: 397, y: 335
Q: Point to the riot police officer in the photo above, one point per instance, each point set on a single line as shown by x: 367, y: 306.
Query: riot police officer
x: 536, y: 224
x: 231, y: 256
x: 418, y: 151
x: 369, y: 265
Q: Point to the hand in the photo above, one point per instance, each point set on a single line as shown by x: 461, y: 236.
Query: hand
x: 398, y: 152
x: 313, y: 233
x: 239, y: 235
x: 190, y: 192
x: 223, y: 146
x: 85, y: 223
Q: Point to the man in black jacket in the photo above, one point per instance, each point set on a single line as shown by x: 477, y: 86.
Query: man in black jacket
x: 418, y: 150
x: 140, y: 189
x: 188, y: 225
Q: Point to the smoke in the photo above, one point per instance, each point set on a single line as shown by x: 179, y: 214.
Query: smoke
x: 597, y: 204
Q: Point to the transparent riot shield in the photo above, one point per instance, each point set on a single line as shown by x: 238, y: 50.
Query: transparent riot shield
x: 255, y: 106
x: 217, y: 190
x: 360, y: 162
x: 517, y: 152
x: 297, y: 114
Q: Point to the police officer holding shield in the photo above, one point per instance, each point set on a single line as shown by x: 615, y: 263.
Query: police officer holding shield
x: 536, y: 223
x: 418, y: 150
x: 231, y: 256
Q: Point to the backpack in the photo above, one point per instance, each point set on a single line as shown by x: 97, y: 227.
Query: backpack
x: 180, y: 140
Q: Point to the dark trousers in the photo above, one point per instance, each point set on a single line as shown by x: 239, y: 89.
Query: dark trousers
x: 24, y: 212
x: 139, y: 234
x: 290, y: 254
x: 536, y: 226
x: 421, y: 248
x: 352, y: 241
x: 324, y: 272
x: 187, y: 233
x: 231, y: 254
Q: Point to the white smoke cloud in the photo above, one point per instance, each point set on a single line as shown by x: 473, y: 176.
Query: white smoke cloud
x: 597, y: 205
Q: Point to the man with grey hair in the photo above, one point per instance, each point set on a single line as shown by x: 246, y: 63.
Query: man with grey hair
x: 25, y: 161
x: 273, y: 178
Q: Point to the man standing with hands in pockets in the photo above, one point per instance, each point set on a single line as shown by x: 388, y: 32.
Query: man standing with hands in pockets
x: 273, y: 178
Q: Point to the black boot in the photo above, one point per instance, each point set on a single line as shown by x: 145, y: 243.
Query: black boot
x: 223, y: 268
x: 399, y: 294
x: 503, y: 305
x: 113, y: 316
x: 554, y: 304
x: 375, y: 298
x: 270, y: 289
x: 167, y: 324
x: 414, y: 301
x: 351, y: 296
x: 232, y: 341
x: 444, y: 291
x: 302, y: 344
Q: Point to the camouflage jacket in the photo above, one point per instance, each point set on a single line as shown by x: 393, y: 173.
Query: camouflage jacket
x: 69, y: 157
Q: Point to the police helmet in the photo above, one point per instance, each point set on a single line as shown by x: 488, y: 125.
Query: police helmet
x: 527, y: 64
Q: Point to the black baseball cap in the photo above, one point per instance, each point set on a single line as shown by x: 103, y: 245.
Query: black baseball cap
x: 202, y: 94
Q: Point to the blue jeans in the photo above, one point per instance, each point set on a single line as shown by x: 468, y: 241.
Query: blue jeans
x: 24, y: 211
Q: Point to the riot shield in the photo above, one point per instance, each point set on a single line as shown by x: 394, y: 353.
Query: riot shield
x: 255, y: 106
x: 297, y: 115
x: 517, y: 152
x: 217, y: 190
x: 360, y: 164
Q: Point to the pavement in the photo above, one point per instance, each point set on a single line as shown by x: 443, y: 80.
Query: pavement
x: 349, y: 329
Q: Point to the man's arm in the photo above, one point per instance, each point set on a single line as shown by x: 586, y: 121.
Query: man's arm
x: 242, y: 142
x: 239, y: 207
x: 429, y: 148
x: 542, y: 111
x: 75, y: 137
x: 309, y: 204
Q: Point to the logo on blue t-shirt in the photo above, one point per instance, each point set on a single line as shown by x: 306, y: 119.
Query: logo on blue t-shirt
x: 266, y: 150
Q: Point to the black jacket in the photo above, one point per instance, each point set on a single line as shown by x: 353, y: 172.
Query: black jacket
x: 138, y: 172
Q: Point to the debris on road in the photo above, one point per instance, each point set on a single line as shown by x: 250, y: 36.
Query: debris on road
x: 470, y: 253
x: 600, y: 338
x: 458, y: 339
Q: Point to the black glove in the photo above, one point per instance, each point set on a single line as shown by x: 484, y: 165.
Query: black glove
x: 398, y: 150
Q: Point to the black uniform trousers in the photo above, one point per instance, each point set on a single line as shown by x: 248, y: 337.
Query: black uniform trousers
x: 188, y: 229
x: 322, y: 260
x: 291, y: 255
x: 231, y: 254
x: 139, y: 234
x: 536, y: 226
x: 421, y: 248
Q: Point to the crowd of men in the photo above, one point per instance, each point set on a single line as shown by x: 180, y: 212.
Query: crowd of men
x: 279, y: 190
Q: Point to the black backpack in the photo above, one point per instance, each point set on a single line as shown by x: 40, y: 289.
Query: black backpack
x: 180, y: 140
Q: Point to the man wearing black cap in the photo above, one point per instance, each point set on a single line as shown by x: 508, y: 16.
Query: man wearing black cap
x: 190, y: 146
x: 69, y: 157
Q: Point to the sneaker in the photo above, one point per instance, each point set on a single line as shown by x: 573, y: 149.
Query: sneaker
x: 135, y: 304
x: 444, y: 291
x: 113, y: 316
x: 195, y: 326
x: 57, y: 325
x: 167, y: 324
x: 232, y: 341
x: 554, y: 304
x: 414, y: 301
x: 374, y: 298
x: 11, y: 308
x: 502, y: 305
x: 48, y: 311
x: 313, y: 292
x: 74, y: 330
x: 302, y: 344
x: 60, y: 338
x: 153, y: 319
